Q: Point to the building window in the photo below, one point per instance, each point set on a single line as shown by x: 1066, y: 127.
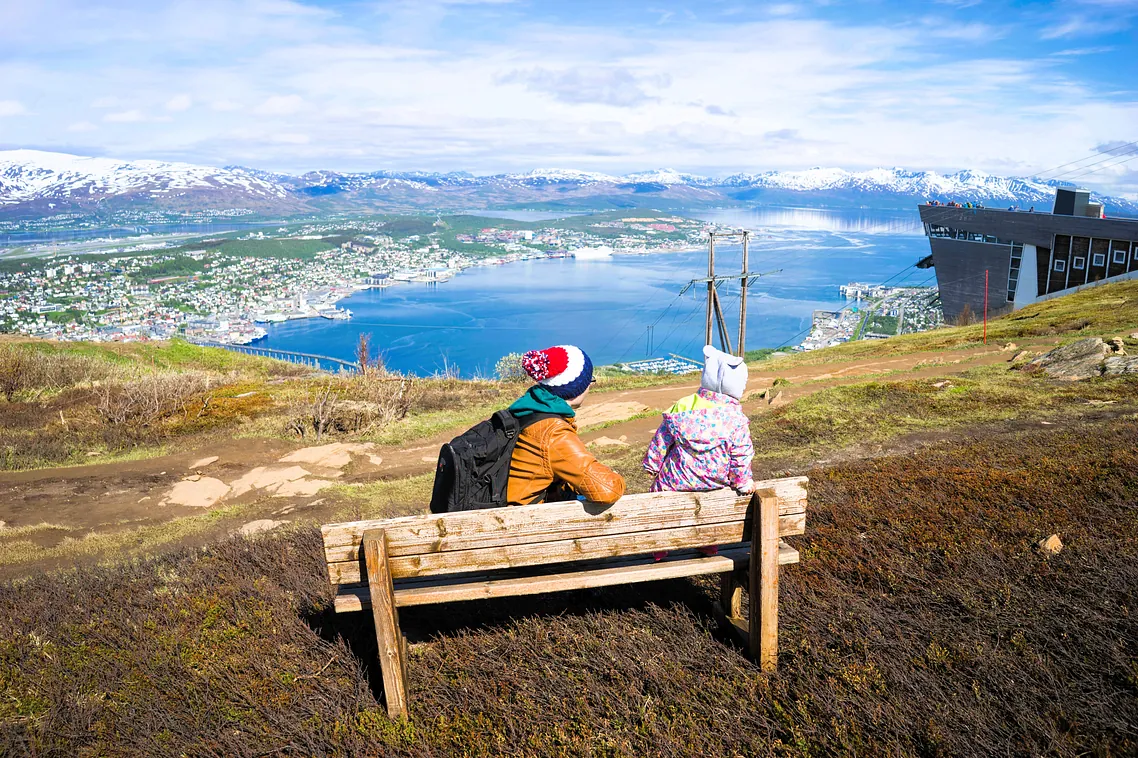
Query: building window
x: 1079, y: 263
x: 1120, y: 256
x: 1099, y: 259
x: 1060, y: 266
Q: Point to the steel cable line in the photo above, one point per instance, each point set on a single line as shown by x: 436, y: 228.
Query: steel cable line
x: 1080, y: 160
x: 1131, y: 157
x: 808, y: 329
x: 1107, y: 159
x: 696, y: 308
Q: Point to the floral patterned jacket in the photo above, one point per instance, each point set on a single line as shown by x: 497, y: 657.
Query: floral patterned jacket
x: 704, y: 443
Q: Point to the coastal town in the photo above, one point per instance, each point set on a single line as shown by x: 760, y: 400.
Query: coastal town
x: 876, y: 312
x: 227, y: 288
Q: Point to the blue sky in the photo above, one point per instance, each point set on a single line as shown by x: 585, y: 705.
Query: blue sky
x: 486, y: 86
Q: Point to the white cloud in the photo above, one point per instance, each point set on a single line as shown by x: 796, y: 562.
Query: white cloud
x: 125, y: 117
x: 607, y: 86
x: 82, y: 126
x: 293, y: 86
x: 281, y: 105
x: 12, y: 108
x: 179, y: 103
x: 1081, y: 26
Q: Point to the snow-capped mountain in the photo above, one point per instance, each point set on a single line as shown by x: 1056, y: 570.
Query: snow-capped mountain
x: 669, y: 177
x: 28, y: 175
x: 967, y: 185
x: 548, y: 175
x: 35, y: 183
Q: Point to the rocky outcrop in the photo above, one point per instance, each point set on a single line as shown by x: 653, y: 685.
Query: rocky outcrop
x: 1079, y: 360
x: 1117, y: 364
x: 1085, y: 359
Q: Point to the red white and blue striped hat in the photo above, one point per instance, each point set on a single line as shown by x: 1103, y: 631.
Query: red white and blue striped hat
x: 564, y: 370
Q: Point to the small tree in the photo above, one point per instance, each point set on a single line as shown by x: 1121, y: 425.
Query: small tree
x: 509, y: 368
x: 368, y: 365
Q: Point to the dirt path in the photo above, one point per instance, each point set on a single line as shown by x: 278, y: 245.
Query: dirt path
x: 286, y: 479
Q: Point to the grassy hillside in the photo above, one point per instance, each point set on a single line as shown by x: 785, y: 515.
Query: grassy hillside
x: 1105, y: 311
x: 921, y: 621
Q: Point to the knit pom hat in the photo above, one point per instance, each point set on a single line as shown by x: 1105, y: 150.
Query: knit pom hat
x: 723, y: 372
x: 564, y: 370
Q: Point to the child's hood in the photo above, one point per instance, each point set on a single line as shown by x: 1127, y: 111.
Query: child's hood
x: 701, y: 424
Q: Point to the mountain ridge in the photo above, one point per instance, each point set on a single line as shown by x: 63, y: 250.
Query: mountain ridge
x: 36, y: 182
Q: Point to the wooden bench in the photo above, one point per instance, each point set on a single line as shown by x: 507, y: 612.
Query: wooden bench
x: 502, y: 552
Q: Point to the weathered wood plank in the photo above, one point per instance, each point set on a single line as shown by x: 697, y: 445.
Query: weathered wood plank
x: 350, y: 599
x: 560, y: 551
x: 412, y: 535
x: 764, y: 582
x: 790, y: 525
x: 392, y: 650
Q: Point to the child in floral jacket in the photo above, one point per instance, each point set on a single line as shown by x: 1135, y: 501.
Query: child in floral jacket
x: 704, y: 442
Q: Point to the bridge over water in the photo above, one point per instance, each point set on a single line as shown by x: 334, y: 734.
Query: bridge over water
x: 322, y: 362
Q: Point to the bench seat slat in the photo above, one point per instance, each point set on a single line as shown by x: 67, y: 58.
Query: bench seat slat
x: 559, y: 551
x: 582, y: 576
x: 495, y: 527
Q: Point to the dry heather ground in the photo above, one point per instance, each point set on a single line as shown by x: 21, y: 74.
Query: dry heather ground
x: 921, y: 621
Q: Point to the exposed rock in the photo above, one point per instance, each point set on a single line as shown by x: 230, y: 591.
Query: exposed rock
x: 943, y: 385
x: 193, y: 478
x: 622, y: 441
x: 3, y: 524
x: 1117, y: 364
x: 266, y: 478
x: 302, y: 487
x: 259, y: 526
x: 1021, y: 355
x: 205, y: 492
x: 1079, y: 360
x: 335, y: 455
x: 1117, y: 346
x: 778, y: 399
x: 1134, y: 336
x: 602, y: 413
x: 1050, y: 545
x: 203, y: 462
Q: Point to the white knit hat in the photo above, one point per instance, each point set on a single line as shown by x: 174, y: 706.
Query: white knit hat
x: 723, y: 372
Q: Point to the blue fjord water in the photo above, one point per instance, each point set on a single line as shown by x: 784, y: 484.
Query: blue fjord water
x: 606, y: 306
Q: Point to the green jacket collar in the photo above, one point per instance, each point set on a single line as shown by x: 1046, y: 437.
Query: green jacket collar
x: 540, y: 400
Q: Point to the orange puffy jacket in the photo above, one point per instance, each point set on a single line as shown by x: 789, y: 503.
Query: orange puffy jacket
x: 550, y: 452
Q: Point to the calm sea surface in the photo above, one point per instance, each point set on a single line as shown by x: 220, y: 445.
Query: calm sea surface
x: 607, y: 306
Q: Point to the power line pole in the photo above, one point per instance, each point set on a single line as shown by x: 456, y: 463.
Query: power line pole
x: 743, y: 282
x: 714, y: 305
x: 710, y: 285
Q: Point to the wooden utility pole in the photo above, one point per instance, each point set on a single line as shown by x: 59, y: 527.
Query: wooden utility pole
x: 715, y: 316
x: 710, y: 286
x: 743, y: 282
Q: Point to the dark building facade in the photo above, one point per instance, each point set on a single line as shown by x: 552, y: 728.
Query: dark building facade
x: 1028, y: 256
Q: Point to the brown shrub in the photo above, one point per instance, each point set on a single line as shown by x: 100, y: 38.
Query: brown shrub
x: 27, y: 371
x: 143, y: 401
x: 921, y: 622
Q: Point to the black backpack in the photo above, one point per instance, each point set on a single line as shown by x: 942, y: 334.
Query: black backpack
x: 474, y: 468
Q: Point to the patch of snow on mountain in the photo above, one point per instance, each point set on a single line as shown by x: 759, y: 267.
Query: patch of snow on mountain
x: 30, y: 174
x: 564, y: 175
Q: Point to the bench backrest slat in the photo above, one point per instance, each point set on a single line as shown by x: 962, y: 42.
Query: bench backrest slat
x: 556, y: 532
x: 558, y: 551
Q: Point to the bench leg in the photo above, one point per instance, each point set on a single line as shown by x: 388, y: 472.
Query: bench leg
x: 730, y: 596
x: 764, y: 579
x: 392, y: 650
